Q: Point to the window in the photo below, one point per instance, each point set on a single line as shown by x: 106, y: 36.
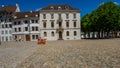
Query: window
x: 6, y: 25
x: 74, y: 24
x: 19, y: 22
x: 15, y: 23
x: 10, y: 25
x: 75, y: 33
x: 67, y: 24
x: 9, y: 20
x: 45, y: 34
x: 19, y: 29
x: 32, y: 21
x: 67, y: 33
x: 44, y: 16
x: 51, y: 7
x: 66, y: 7
x: 10, y: 31
x: 67, y: 16
x: 6, y: 38
x: 1, y: 20
x: 52, y: 16
x: 59, y: 8
x: 2, y: 38
x: 36, y: 36
x: 26, y: 21
x: 44, y: 24
x: 52, y: 24
x: 5, y: 20
x: 36, y: 21
x: 33, y: 29
x: 2, y: 26
x: 10, y: 37
x: 6, y: 32
x: 52, y: 34
x: 74, y: 15
x: 36, y: 28
x: 26, y: 28
x: 15, y: 29
x: 33, y: 36
x: 2, y: 32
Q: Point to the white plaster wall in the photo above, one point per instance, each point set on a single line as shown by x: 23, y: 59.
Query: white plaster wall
x: 49, y: 36
x: 48, y: 28
x: 71, y: 34
x: 23, y: 33
x: 8, y: 32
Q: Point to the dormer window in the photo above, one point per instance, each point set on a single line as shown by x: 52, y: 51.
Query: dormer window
x: 66, y: 7
x: 59, y: 8
x: 26, y: 15
x: 15, y: 17
x: 36, y: 15
x: 51, y: 7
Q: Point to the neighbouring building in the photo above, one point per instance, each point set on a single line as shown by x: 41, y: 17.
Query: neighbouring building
x: 26, y: 26
x: 6, y: 19
x: 53, y: 22
x: 59, y: 22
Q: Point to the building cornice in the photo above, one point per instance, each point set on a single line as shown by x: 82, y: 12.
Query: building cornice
x: 60, y: 11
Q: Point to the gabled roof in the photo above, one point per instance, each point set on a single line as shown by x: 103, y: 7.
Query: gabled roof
x: 59, y: 7
x: 20, y: 15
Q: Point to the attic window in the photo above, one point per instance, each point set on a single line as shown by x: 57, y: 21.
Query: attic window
x: 66, y: 7
x: 15, y: 17
x: 59, y: 8
x: 36, y: 15
x: 51, y: 7
x: 26, y: 15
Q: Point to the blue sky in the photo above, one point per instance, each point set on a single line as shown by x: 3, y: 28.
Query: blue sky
x: 86, y: 6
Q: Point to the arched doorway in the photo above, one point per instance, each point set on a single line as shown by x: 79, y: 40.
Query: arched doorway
x: 60, y: 35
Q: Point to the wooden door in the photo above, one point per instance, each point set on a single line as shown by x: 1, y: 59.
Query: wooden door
x: 60, y: 35
x: 27, y: 37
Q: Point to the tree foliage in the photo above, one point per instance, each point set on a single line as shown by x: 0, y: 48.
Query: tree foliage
x: 105, y: 18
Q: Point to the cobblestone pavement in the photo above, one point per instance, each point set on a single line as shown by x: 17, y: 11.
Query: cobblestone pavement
x: 75, y: 54
x: 12, y: 53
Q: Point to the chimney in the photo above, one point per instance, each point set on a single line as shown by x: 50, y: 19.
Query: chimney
x: 17, y: 4
x: 18, y: 9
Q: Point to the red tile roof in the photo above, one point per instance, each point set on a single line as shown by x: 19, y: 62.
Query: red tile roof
x: 56, y: 7
x: 20, y: 15
x: 10, y: 10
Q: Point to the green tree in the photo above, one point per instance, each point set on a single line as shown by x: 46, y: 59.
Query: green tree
x: 105, y: 19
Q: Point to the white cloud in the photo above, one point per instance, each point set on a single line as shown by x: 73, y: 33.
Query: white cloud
x: 116, y: 3
x: 113, y: 2
x: 102, y: 3
x: 38, y: 9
